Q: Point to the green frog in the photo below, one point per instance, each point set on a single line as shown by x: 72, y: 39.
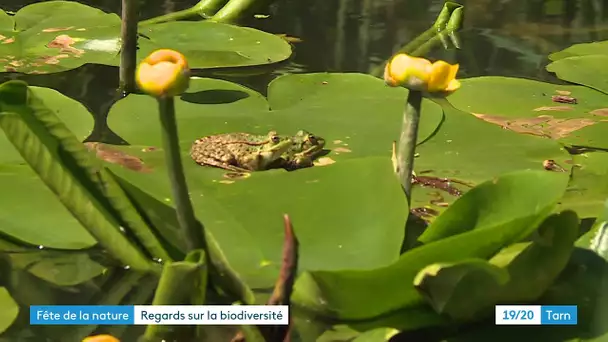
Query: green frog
x: 304, y: 149
x: 240, y: 152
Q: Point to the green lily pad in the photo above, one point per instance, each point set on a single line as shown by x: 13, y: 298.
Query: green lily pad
x: 9, y: 311
x: 245, y: 215
x: 357, y: 114
x: 491, y: 99
x: 55, y: 36
x: 583, y: 49
x: 467, y: 158
x: 589, y: 185
x: 588, y: 70
x: 330, y: 294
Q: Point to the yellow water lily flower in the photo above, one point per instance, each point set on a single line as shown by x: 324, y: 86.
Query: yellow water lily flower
x: 420, y: 74
x: 163, y: 73
x: 101, y: 338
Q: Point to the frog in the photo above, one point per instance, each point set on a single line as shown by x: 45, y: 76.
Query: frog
x: 304, y: 149
x: 240, y: 152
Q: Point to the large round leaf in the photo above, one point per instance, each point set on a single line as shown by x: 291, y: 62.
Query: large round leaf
x: 357, y: 114
x: 467, y: 151
x: 589, y: 70
x: 30, y: 212
x: 338, y: 210
x: 331, y: 293
x: 589, y: 185
x: 55, y: 36
x: 583, y: 49
x: 533, y: 112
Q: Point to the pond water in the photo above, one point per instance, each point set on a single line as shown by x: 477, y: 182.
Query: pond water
x: 508, y: 37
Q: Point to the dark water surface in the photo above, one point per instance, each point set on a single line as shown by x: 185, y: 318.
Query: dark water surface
x: 499, y: 37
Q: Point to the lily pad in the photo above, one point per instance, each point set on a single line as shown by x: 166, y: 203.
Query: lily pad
x: 245, y: 215
x: 587, y: 190
x: 588, y: 70
x: 534, y: 112
x: 467, y: 159
x: 330, y: 293
x: 55, y: 36
x: 583, y: 49
x: 9, y: 311
x: 357, y: 114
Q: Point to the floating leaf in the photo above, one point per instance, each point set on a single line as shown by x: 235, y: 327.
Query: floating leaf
x: 330, y: 294
x: 55, y: 36
x: 588, y: 70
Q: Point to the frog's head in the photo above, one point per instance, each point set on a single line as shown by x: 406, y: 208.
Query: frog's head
x: 306, y: 146
x: 273, y: 148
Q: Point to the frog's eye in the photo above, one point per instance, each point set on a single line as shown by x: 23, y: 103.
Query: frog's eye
x: 275, y: 139
x: 312, y: 139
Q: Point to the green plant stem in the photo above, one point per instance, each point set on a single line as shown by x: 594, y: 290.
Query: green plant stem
x: 234, y: 9
x: 128, y: 50
x: 204, y: 8
x: 190, y: 232
x: 407, y: 141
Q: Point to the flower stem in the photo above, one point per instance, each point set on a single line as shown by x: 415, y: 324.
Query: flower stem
x: 205, y: 9
x: 128, y: 50
x: 191, y: 233
x: 407, y: 141
x: 234, y: 9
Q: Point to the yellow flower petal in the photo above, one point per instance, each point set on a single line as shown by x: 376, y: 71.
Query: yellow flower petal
x: 101, y: 338
x: 442, y: 74
x: 453, y: 86
x: 163, y: 73
x: 407, y: 71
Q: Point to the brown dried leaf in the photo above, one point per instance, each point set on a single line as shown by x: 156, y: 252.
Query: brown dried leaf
x: 493, y: 119
x: 600, y: 112
x: 553, y: 108
x: 115, y: 156
x: 566, y: 127
x: 57, y: 29
x: 324, y: 161
x: 543, y: 125
x: 64, y: 44
x: 289, y: 39
x: 341, y: 150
